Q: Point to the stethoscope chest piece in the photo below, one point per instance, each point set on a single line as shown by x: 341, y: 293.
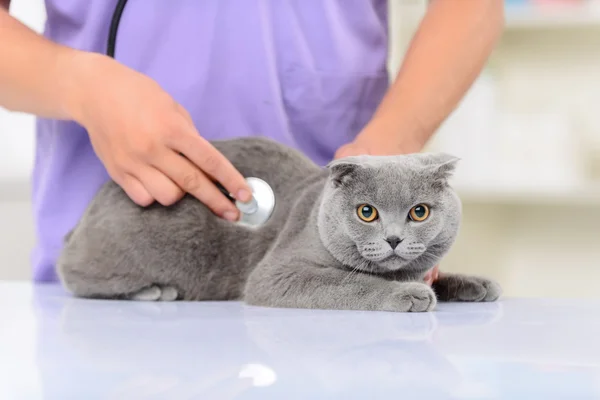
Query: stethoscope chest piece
x: 257, y: 211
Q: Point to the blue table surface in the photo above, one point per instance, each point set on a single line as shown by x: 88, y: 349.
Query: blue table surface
x: 53, y: 346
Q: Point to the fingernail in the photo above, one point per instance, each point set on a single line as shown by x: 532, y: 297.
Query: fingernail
x: 230, y: 216
x: 244, y: 196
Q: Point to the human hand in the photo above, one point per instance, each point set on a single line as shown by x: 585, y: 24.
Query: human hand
x: 432, y: 275
x: 380, y: 138
x: 372, y: 141
x: 147, y: 141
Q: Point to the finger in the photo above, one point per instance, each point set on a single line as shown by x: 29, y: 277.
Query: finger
x: 135, y: 190
x: 435, y: 273
x: 432, y: 275
x: 428, y: 278
x: 341, y: 152
x: 206, y: 157
x: 185, y: 114
x: 160, y: 187
x: 349, y: 150
x: 193, y: 181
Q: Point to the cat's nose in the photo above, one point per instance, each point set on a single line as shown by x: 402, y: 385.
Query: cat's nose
x: 393, y: 241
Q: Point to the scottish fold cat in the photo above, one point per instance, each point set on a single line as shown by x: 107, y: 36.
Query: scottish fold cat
x: 359, y: 234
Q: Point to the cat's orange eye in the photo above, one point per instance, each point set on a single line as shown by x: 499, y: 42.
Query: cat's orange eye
x: 419, y: 213
x: 367, y: 213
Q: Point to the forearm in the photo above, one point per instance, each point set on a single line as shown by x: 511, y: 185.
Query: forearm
x: 447, y: 53
x: 34, y: 77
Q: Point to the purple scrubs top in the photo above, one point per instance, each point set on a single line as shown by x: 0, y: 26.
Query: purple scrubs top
x: 307, y: 73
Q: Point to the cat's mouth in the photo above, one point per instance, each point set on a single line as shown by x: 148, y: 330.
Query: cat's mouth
x: 392, y: 260
x: 382, y: 261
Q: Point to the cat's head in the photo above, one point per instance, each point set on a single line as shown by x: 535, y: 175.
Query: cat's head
x: 387, y: 213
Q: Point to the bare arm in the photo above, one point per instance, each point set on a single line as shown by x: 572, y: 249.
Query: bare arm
x: 445, y: 56
x: 32, y: 75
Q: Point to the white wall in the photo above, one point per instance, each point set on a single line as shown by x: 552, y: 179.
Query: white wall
x: 540, y: 93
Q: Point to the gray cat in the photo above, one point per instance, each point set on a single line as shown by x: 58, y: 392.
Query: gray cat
x: 359, y: 235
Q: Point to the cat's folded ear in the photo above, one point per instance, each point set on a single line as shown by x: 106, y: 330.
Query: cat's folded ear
x: 343, y: 170
x: 442, y: 166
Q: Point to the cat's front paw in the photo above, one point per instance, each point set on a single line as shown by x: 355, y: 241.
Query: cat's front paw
x: 493, y: 290
x: 466, y: 288
x: 410, y: 297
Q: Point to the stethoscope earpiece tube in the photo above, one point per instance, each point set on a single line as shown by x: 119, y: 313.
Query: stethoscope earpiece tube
x: 114, y: 27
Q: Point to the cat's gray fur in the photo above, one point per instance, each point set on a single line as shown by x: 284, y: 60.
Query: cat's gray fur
x: 314, y: 252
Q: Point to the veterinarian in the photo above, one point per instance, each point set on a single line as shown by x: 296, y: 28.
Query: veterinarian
x: 310, y: 74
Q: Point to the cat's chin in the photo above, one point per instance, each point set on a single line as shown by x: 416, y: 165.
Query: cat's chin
x: 394, y: 264
x: 391, y: 263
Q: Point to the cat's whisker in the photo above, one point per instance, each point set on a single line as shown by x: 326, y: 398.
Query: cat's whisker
x: 371, y: 269
x: 353, y: 272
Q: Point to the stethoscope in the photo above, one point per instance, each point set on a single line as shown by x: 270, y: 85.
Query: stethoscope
x: 253, y: 213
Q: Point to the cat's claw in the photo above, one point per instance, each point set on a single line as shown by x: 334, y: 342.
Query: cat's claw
x: 411, y: 297
x: 156, y: 293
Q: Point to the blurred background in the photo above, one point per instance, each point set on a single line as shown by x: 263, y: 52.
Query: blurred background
x: 528, y: 134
